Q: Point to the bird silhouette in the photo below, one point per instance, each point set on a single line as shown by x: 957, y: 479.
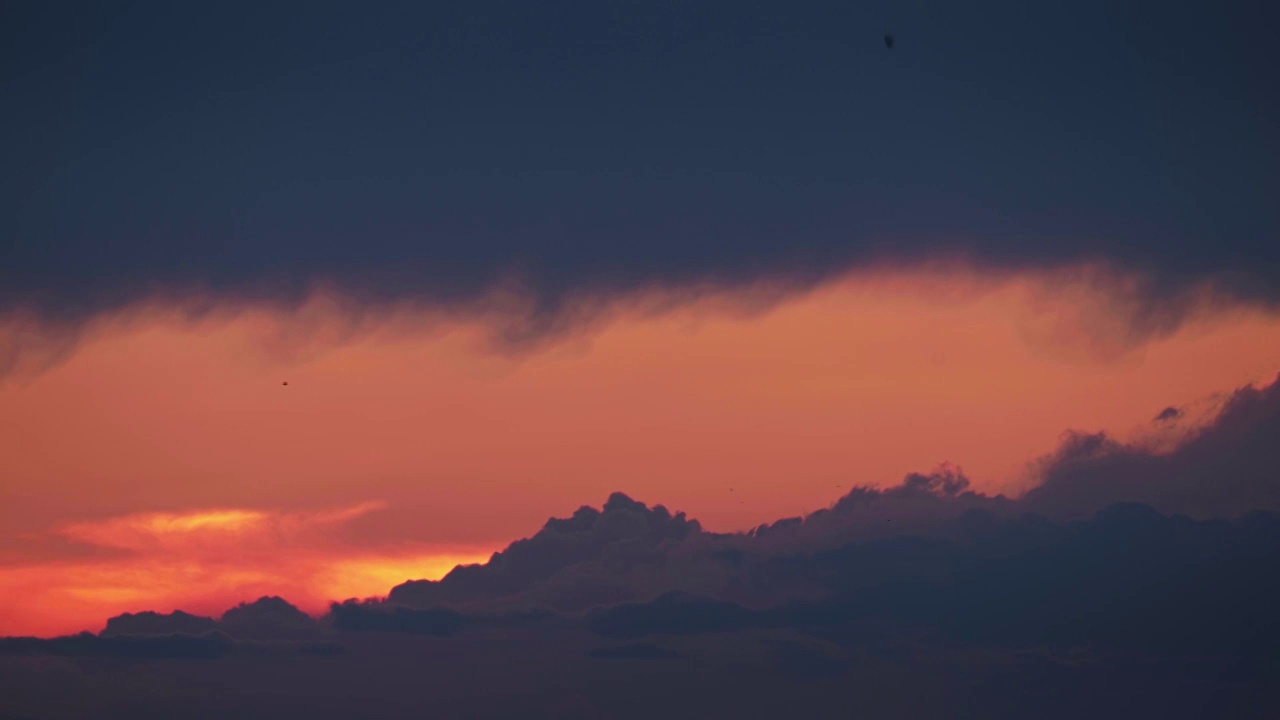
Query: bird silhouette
x: 286, y: 382
x: 888, y: 40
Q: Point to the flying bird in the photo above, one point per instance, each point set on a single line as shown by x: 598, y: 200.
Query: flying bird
x: 286, y: 382
x: 888, y: 40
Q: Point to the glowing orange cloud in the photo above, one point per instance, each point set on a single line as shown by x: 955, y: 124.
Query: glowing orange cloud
x: 206, y: 561
x: 167, y: 531
x: 139, y: 531
x: 156, y: 418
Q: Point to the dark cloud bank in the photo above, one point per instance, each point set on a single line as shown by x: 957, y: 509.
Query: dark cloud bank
x: 1130, y: 583
x: 426, y: 151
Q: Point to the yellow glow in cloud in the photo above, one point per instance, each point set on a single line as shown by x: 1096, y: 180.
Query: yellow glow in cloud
x: 153, y: 532
x: 353, y: 577
x: 150, y: 529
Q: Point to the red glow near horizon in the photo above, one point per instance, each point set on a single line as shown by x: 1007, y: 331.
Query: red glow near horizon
x: 171, y: 450
x: 206, y: 562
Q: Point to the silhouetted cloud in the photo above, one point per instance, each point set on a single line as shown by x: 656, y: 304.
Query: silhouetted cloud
x: 636, y: 570
x: 970, y: 606
x: 623, y: 535
x: 917, y: 532
x: 1127, y: 578
x: 268, y: 618
x: 153, y: 623
x: 916, y: 505
x: 1226, y: 468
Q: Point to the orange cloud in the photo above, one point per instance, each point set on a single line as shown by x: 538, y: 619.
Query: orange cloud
x: 151, y: 532
x: 137, y: 532
x: 206, y: 561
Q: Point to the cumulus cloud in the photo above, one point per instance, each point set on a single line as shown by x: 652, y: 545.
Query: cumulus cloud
x: 928, y: 574
x: 1069, y: 586
x: 1127, y: 578
x: 153, y: 623
x: 918, y: 504
x: 915, y: 532
x: 629, y: 553
x: 879, y: 553
x: 623, y: 536
x: 1224, y: 468
x: 269, y: 618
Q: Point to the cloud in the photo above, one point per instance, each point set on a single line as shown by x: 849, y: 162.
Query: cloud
x: 629, y: 552
x: 1087, y: 312
x: 622, y: 536
x: 971, y: 587
x: 452, y: 233
x: 1128, y: 578
x: 268, y: 618
x: 1224, y: 468
x: 179, y: 532
x: 931, y: 363
x: 152, y: 623
x: 921, y: 504
x: 646, y: 571
x: 867, y: 162
x: 421, y: 161
x: 168, y: 530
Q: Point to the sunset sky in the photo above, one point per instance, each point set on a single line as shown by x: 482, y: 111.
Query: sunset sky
x: 312, y: 305
x: 162, y: 463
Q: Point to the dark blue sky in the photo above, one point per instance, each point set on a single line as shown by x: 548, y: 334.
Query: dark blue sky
x: 422, y: 149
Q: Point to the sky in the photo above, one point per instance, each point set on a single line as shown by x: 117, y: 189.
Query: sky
x: 509, y: 258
